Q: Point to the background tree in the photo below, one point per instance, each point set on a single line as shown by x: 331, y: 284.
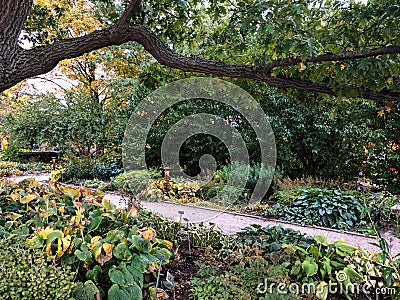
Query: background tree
x: 332, y: 47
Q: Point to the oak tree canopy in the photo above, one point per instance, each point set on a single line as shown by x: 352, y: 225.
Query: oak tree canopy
x: 325, y: 46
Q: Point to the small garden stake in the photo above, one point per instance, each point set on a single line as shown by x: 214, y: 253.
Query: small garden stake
x: 187, y: 223
x: 170, y: 279
x: 180, y: 212
x: 161, y: 258
x: 188, y: 234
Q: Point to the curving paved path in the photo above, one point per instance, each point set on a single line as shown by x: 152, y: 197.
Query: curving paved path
x: 230, y: 222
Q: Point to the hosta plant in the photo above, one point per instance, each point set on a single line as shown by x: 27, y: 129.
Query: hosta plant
x: 330, y: 208
x: 111, y: 249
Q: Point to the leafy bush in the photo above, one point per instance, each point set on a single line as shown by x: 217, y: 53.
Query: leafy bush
x: 141, y: 184
x: 94, y: 184
x: 29, y: 274
x: 271, y: 238
x: 78, y: 168
x: 78, y: 228
x: 331, y: 208
x: 322, y: 262
x: 180, y: 189
x: 101, y: 172
x: 11, y: 153
x: 14, y: 168
x: 200, y: 235
x: 256, y: 240
x: 106, y: 171
x: 287, y: 197
x: 378, y: 208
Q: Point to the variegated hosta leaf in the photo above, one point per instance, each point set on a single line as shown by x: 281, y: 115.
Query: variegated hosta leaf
x: 147, y: 233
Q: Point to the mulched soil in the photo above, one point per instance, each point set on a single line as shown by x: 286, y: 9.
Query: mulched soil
x: 183, y: 268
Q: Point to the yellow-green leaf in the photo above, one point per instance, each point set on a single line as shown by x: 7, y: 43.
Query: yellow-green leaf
x: 27, y: 199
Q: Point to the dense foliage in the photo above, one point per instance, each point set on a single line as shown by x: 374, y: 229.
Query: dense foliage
x: 330, y: 208
x: 29, y: 273
x: 333, y: 208
x: 112, y: 251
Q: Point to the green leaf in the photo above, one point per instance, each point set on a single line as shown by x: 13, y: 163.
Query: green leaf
x: 35, y: 242
x: 326, y: 265
x: 56, y: 234
x: 309, y: 267
x: 321, y: 239
x: 137, y: 275
x: 94, y: 274
x: 94, y: 224
x: 8, y: 225
x: 85, y: 291
x: 121, y: 251
x: 113, y: 236
x: 141, y: 244
x: 322, y: 290
x: 314, y: 251
x: 121, y: 276
x: 140, y: 262
x: 84, y: 255
x: 296, y: 268
x: 125, y: 293
x: 344, y: 249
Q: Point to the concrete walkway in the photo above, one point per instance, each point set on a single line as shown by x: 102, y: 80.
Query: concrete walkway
x: 230, y: 222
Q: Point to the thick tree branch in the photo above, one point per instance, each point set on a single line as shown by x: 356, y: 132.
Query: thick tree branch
x: 128, y: 13
x: 348, y: 55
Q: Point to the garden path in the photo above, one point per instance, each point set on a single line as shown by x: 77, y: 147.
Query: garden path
x: 230, y: 222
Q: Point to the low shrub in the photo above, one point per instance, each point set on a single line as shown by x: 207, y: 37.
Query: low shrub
x: 180, y: 189
x: 15, y: 168
x: 29, y: 274
x: 77, y: 168
x: 11, y: 153
x: 81, y: 168
x: 106, y: 171
x: 271, y: 238
x: 288, y: 196
x: 200, y: 235
x: 330, y: 208
x: 141, y: 184
x: 256, y: 240
x: 378, y: 209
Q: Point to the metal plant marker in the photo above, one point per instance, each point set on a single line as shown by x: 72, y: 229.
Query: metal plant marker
x: 188, y: 234
x: 161, y: 258
x: 180, y: 212
x: 171, y: 280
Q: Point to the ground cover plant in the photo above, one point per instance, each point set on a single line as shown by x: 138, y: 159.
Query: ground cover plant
x: 29, y: 274
x: 253, y: 272
x: 8, y: 168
